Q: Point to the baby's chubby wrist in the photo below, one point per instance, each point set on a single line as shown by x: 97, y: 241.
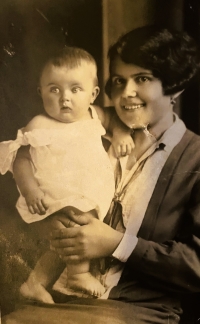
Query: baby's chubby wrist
x: 32, y: 190
x: 33, y: 195
x: 124, y: 131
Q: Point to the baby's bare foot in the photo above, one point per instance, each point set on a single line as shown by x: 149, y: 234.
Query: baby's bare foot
x: 34, y: 290
x: 86, y: 282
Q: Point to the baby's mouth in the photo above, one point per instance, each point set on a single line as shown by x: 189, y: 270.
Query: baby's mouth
x: 65, y: 108
x: 133, y: 106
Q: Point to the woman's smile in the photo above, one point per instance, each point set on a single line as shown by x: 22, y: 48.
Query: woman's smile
x: 132, y: 107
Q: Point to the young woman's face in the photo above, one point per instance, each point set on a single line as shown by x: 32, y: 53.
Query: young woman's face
x: 68, y: 92
x: 138, y: 96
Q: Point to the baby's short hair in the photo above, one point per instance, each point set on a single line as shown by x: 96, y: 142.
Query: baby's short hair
x: 172, y: 56
x: 72, y: 57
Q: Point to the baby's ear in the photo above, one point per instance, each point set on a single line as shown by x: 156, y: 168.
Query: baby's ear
x: 95, y: 93
x: 39, y: 90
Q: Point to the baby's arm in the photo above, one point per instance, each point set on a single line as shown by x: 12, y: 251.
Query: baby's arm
x: 23, y: 172
x: 28, y: 186
x: 122, y: 141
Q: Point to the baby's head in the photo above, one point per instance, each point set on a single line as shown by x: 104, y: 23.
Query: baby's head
x: 69, y: 84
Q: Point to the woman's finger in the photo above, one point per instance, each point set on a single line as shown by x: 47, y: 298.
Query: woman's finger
x: 67, y: 251
x: 62, y: 243
x: 66, y: 221
x: 82, y: 219
x: 64, y: 233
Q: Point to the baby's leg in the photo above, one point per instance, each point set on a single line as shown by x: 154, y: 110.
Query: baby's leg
x: 79, y: 278
x: 46, y: 271
x: 78, y: 274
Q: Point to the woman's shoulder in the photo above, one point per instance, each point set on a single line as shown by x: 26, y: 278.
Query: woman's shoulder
x: 190, y: 146
x: 194, y: 139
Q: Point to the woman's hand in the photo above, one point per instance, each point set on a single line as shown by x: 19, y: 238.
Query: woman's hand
x: 93, y: 239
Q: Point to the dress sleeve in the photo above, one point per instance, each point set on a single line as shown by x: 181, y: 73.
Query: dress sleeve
x: 8, y: 149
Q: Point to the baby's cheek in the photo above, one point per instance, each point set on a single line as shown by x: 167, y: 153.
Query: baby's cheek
x: 50, y: 101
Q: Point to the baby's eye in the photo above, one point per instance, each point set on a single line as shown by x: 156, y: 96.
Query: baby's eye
x: 54, y: 90
x: 143, y: 79
x: 76, y: 89
x: 118, y: 81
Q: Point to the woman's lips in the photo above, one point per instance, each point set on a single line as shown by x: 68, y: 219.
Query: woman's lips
x: 133, y: 106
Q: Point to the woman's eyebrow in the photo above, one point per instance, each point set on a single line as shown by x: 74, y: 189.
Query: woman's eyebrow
x: 133, y: 75
x: 116, y: 75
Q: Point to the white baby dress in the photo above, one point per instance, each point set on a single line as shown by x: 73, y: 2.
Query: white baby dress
x: 70, y: 165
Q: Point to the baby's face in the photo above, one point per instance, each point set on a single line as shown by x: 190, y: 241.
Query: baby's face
x: 68, y: 92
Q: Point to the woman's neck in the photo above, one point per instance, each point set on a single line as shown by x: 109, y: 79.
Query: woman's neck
x: 162, y: 125
x: 142, y: 141
x: 144, y: 138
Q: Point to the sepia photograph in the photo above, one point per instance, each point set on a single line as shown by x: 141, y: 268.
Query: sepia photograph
x: 100, y: 161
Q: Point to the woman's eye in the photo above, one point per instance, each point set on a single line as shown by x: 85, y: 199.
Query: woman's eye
x: 118, y: 81
x: 143, y: 79
x: 55, y: 90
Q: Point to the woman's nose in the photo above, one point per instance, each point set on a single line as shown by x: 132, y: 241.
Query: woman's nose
x: 130, y: 89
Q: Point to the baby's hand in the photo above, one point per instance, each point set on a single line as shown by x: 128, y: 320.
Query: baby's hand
x: 123, y: 144
x: 35, y: 201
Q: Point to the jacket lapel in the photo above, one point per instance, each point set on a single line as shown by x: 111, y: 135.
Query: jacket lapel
x: 148, y: 224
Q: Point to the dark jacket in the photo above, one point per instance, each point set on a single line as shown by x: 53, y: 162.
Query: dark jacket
x: 165, y: 265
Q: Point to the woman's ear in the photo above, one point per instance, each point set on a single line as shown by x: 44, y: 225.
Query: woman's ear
x: 95, y: 93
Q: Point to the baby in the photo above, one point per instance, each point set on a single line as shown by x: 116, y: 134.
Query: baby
x: 59, y: 163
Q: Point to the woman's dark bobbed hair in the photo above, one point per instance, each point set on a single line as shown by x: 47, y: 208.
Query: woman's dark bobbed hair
x: 172, y: 56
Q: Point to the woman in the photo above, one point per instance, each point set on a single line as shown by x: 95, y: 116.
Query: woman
x: 153, y: 245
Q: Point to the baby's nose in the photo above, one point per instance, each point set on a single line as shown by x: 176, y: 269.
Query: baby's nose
x: 65, y: 103
x: 65, y: 97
